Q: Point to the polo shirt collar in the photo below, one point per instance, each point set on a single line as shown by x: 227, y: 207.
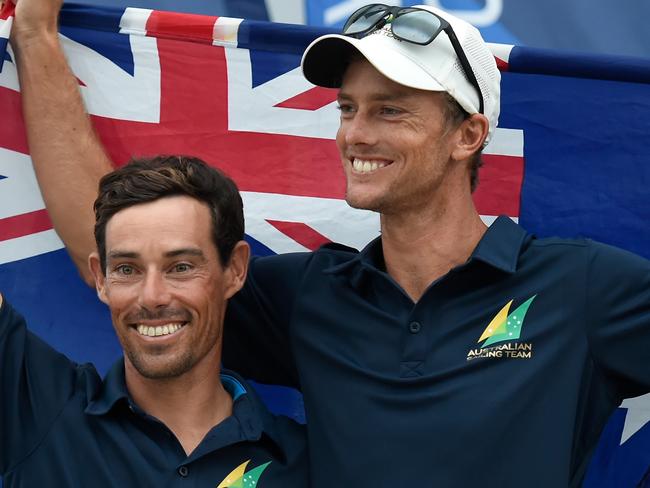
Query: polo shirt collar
x: 369, y: 260
x: 253, y: 415
x: 250, y: 412
x: 113, y: 391
x: 499, y: 247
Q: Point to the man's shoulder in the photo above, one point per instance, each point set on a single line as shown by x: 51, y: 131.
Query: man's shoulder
x: 329, y: 254
x: 336, y: 248
x: 599, y: 262
x: 596, y: 252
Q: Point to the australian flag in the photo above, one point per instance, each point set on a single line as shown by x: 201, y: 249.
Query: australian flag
x: 569, y: 158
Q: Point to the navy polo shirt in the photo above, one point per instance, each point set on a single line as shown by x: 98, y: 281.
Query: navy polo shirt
x: 62, y: 426
x: 502, y: 375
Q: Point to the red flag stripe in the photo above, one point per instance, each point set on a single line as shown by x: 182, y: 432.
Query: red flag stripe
x: 24, y: 224
x: 312, y: 99
x: 499, y: 189
x: 7, y: 10
x: 190, y: 27
x: 301, y: 233
x: 12, y: 126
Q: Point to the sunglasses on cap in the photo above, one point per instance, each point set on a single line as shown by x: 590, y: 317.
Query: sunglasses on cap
x: 410, y: 24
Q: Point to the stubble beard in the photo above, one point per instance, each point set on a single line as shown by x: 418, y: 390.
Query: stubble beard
x: 169, y: 367
x: 374, y: 203
x: 159, y: 362
x: 380, y: 203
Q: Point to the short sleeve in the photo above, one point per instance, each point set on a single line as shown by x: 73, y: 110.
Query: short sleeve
x: 618, y: 317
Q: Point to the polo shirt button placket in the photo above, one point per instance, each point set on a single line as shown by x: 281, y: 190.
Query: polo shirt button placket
x: 183, y: 471
x: 415, y: 327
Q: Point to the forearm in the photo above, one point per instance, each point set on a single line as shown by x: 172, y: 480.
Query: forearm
x: 68, y: 157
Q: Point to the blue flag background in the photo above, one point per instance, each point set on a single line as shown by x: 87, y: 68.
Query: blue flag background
x: 582, y: 123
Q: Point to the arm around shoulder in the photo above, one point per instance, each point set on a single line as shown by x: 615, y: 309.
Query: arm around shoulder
x: 257, y: 329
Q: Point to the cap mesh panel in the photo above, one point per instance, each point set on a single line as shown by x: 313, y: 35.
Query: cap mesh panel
x: 478, y: 55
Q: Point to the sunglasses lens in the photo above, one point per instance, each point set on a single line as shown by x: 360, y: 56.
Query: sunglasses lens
x: 418, y: 26
x: 364, y: 19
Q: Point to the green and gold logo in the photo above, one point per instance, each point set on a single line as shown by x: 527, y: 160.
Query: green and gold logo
x: 501, y: 337
x: 239, y: 478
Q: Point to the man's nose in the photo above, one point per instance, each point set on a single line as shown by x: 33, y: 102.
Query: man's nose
x: 154, y: 291
x: 358, y: 130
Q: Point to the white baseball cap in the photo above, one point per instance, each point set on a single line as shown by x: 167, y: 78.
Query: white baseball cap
x: 434, y: 66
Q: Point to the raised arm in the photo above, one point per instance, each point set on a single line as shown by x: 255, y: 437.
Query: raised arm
x: 68, y: 157
x: 35, y: 384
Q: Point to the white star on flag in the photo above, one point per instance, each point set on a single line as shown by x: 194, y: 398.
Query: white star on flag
x: 638, y: 414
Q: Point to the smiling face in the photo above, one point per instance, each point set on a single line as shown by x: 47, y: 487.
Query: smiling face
x: 165, y: 286
x: 394, y: 143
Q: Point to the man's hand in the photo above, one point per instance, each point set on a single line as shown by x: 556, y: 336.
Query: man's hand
x: 35, y: 18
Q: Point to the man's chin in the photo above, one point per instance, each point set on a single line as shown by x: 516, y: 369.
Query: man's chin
x: 160, y: 368
x: 362, y: 202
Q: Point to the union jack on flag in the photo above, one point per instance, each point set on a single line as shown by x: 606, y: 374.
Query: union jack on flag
x: 230, y: 91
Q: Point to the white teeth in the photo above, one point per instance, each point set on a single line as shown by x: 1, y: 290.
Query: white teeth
x: 366, y: 166
x: 160, y: 330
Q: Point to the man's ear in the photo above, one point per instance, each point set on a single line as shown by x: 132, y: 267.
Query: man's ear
x: 95, y: 266
x: 235, y: 272
x: 470, y: 136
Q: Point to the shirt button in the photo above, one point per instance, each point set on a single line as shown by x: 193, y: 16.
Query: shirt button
x: 414, y: 327
x: 183, y: 471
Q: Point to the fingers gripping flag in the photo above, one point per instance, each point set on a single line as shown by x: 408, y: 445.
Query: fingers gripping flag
x: 568, y: 158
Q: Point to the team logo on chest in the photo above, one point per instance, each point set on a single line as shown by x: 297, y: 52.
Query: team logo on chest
x: 240, y: 478
x: 500, y: 339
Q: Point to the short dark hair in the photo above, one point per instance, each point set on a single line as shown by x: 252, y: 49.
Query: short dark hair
x: 148, y: 179
x: 455, y: 114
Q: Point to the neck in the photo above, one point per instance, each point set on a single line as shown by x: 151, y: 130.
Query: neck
x: 189, y: 405
x: 420, y: 246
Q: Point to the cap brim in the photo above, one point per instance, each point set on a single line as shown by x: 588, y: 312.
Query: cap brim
x: 325, y: 60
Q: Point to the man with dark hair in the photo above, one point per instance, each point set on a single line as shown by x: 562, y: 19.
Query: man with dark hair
x: 169, y: 233
x: 150, y: 179
x: 445, y: 353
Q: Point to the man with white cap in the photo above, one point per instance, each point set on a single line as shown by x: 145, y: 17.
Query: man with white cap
x: 445, y: 353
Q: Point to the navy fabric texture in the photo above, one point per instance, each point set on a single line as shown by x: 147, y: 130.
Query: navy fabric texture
x: 62, y: 425
x: 401, y: 394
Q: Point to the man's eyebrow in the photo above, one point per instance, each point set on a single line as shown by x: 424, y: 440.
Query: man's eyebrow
x: 186, y: 251
x: 377, y: 97
x: 122, y: 255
